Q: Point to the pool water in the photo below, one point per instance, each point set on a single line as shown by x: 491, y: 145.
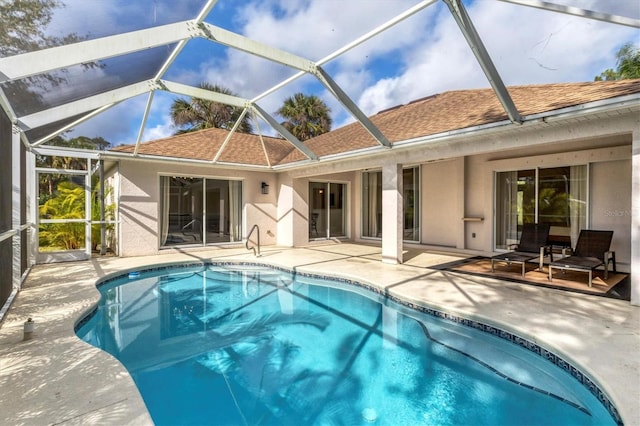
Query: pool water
x: 249, y: 345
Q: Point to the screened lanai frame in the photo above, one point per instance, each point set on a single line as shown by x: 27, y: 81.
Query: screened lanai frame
x: 39, y: 113
x: 35, y: 120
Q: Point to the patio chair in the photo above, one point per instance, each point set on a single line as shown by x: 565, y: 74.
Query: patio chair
x: 591, y: 252
x: 533, y: 244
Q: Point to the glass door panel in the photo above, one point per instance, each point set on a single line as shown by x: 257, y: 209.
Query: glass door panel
x: 317, y: 210
x: 223, y: 210
x: 562, y: 202
x: 411, y: 203
x: 182, y: 206
x: 515, y: 205
x: 216, y: 225
x: 337, y: 210
x: 372, y: 204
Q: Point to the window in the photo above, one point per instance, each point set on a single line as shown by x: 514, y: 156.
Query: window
x: 557, y: 196
x: 199, y: 211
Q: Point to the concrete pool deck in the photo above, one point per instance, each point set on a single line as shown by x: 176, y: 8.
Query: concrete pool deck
x: 55, y: 378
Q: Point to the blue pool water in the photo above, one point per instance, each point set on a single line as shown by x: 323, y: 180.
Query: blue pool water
x: 251, y: 345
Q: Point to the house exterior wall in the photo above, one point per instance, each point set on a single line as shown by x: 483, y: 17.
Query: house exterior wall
x: 611, y: 205
x: 139, y: 192
x: 439, y: 203
x: 457, y: 186
x: 292, y: 211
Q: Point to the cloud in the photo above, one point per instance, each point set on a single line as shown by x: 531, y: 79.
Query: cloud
x: 159, y: 131
x: 527, y: 46
x: 423, y: 55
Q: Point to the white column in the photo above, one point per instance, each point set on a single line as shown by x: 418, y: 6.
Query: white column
x: 392, y: 213
x: 635, y: 219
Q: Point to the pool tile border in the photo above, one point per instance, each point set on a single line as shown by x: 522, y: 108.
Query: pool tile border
x: 556, y: 359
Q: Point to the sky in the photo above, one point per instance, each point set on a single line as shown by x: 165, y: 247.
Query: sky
x: 421, y: 56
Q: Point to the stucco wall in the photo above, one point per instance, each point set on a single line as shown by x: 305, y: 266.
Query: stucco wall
x: 611, y: 205
x: 139, y: 195
x: 441, y: 214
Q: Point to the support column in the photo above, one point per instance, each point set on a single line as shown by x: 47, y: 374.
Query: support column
x: 635, y: 218
x: 392, y: 213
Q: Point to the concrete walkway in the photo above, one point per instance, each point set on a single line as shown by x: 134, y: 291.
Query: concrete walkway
x: 55, y: 378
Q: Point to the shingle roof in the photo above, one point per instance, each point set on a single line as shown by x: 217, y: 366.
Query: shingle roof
x: 432, y: 115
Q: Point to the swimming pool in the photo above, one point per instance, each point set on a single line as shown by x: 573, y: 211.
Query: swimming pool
x: 235, y: 344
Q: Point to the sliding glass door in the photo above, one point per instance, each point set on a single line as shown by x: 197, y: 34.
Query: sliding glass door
x: 198, y: 211
x: 327, y: 210
x: 372, y: 204
x: 557, y: 196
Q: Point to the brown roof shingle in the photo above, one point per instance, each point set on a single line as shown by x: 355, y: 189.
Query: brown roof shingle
x: 432, y: 115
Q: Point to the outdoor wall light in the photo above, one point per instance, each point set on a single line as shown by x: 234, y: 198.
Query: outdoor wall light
x: 265, y: 188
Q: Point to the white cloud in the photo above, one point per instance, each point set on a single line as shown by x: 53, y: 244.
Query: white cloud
x: 159, y: 131
x: 423, y: 55
x: 527, y: 46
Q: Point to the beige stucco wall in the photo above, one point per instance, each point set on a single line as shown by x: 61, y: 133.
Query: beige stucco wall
x: 610, y: 198
x: 292, y: 211
x: 139, y: 195
x: 441, y: 211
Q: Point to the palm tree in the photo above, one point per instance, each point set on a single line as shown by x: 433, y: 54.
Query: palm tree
x: 627, y: 64
x: 306, y: 116
x: 197, y: 114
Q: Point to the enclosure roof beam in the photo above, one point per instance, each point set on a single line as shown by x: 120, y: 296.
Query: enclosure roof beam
x: 583, y: 13
x: 236, y: 41
x: 284, y: 132
x: 209, y: 95
x: 86, y: 52
x: 337, y: 91
x: 90, y: 103
x: 477, y: 47
x: 72, y: 125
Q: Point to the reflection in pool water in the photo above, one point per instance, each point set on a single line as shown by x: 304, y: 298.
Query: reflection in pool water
x: 241, y: 344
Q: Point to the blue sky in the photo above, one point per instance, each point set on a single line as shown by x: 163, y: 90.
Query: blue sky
x: 423, y: 55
